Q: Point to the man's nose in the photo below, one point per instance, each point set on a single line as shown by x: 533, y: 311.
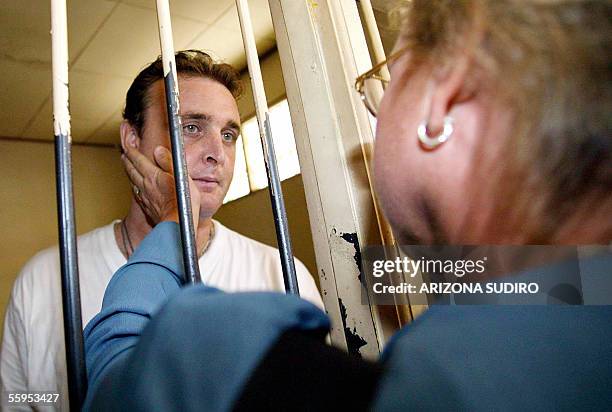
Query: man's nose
x: 212, y: 151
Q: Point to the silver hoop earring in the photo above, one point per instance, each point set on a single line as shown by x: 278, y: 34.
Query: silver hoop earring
x: 433, y: 142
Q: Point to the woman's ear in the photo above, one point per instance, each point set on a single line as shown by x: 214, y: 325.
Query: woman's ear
x: 449, y: 87
x: 129, y: 136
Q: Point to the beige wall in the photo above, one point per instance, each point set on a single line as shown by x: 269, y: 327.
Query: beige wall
x: 252, y: 216
x: 27, y: 198
x: 28, y: 207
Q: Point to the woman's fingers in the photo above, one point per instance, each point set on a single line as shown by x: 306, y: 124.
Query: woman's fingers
x: 137, y: 181
x: 154, y: 185
x: 146, y: 175
x: 144, y: 166
x: 163, y: 158
x: 134, y: 175
x: 164, y: 177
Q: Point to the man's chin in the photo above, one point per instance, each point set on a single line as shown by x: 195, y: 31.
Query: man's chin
x: 208, y: 209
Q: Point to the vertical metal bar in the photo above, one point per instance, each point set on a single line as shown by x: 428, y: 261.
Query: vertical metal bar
x: 402, y: 307
x: 190, y: 255
x: 71, y: 299
x: 371, y: 30
x: 321, y: 54
x: 265, y: 132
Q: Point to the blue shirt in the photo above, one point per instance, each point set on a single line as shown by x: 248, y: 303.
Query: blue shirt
x: 219, y: 338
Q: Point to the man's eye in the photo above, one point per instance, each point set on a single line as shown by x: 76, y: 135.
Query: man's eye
x: 191, y: 129
x: 229, y: 136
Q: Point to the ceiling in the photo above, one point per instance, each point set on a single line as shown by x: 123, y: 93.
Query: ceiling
x: 109, y: 42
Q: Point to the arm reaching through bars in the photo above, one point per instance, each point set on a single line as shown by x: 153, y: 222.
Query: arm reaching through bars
x: 155, y: 346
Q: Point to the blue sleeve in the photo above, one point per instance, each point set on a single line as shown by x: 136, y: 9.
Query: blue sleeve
x: 195, y: 346
x: 137, y: 290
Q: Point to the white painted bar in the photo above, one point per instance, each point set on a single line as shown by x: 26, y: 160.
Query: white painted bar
x: 181, y: 176
x: 165, y: 38
x: 68, y: 254
x: 59, y: 55
x: 259, y: 93
x: 265, y: 132
x: 371, y: 30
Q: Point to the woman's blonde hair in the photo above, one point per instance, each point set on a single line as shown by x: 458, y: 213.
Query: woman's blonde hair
x: 550, y: 61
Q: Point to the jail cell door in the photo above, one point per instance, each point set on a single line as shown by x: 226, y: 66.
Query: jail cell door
x: 323, y: 48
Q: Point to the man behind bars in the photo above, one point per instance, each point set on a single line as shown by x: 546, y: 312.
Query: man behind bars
x: 33, y: 350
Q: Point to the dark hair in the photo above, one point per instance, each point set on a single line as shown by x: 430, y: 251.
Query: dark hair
x: 191, y: 63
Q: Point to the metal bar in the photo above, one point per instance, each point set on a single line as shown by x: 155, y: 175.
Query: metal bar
x: 371, y: 30
x: 71, y: 299
x: 265, y: 133
x: 322, y: 50
x: 402, y: 307
x: 190, y: 255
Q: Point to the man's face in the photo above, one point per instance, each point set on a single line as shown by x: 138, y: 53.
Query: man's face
x: 211, y: 125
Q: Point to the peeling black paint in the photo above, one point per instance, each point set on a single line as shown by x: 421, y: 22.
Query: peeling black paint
x: 352, y: 239
x: 353, y: 340
x: 323, y: 277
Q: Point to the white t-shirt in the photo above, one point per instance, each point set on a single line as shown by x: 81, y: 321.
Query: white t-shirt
x: 33, y: 354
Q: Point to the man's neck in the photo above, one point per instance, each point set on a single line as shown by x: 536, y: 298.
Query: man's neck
x: 138, y: 227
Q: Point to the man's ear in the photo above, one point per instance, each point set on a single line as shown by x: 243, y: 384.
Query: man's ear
x: 449, y: 87
x: 129, y: 136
